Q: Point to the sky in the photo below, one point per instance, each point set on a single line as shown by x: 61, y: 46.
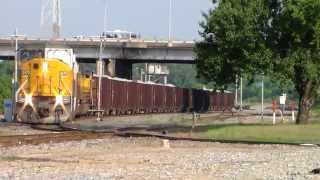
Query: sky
x: 86, y: 17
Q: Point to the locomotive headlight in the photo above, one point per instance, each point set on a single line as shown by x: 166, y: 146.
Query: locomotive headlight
x: 45, y: 67
x: 28, y: 99
x: 59, y: 100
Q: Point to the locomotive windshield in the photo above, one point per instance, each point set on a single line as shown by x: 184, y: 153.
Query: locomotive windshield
x: 25, y: 54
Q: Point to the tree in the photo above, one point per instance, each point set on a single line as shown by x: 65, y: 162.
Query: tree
x: 6, y: 69
x: 232, y: 46
x: 275, y: 37
x: 183, y: 75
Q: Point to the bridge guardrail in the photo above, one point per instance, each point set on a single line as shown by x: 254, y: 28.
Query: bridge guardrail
x: 96, y: 39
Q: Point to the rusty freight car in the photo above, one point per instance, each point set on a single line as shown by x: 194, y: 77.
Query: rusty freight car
x: 121, y: 96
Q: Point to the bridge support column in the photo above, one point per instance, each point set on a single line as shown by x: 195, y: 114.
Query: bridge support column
x: 110, y: 67
x: 100, y: 65
x: 106, y: 67
x: 123, y: 69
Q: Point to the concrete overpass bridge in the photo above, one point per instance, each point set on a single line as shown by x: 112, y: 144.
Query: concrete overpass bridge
x: 118, y: 53
x: 87, y: 49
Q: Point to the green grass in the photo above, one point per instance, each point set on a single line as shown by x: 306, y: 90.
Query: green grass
x: 284, y: 133
x: 280, y: 133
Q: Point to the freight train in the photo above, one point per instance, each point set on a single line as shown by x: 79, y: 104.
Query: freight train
x: 52, y: 90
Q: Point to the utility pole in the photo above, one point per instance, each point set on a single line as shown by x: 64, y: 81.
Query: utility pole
x: 100, y: 72
x: 15, y: 78
x: 262, y: 96
x: 170, y: 20
x: 16, y: 61
x: 105, y: 16
x: 241, y: 108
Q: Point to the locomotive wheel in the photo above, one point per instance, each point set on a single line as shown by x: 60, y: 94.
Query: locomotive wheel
x: 28, y: 115
x: 57, y: 115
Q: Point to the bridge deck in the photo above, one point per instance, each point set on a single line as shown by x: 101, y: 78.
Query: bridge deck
x: 136, y: 50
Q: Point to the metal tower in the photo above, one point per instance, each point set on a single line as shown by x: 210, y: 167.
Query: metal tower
x: 51, y: 17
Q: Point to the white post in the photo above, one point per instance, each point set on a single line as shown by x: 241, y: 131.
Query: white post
x: 274, y: 118
x: 241, y: 108
x: 236, y: 94
x: 293, y: 118
x: 284, y: 105
x: 170, y: 20
x: 262, y: 97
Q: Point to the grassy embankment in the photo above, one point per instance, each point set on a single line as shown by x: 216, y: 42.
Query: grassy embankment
x: 281, y: 133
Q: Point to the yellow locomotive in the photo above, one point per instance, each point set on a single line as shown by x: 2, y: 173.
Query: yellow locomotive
x: 50, y: 88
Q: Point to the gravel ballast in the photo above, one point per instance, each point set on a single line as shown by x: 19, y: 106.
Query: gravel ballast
x: 147, y: 158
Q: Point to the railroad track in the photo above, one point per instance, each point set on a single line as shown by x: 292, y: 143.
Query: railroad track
x: 63, y: 133
x: 58, y: 137
x: 18, y: 140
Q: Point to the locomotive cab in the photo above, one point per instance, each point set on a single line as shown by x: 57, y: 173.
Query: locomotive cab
x: 45, y: 91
